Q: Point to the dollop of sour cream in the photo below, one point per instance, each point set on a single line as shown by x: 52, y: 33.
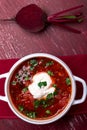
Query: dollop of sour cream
x: 42, y: 91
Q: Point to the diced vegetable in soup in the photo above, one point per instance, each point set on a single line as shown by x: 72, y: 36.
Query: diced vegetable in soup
x: 40, y: 87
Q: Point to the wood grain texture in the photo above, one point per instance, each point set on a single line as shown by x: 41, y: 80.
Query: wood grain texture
x: 16, y: 43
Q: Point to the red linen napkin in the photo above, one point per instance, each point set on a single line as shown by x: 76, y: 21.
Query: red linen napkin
x: 78, y: 65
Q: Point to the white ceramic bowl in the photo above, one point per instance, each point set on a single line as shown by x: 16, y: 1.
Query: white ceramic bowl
x: 72, y: 100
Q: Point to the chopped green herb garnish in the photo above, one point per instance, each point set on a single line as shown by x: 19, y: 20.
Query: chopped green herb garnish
x: 13, y: 82
x: 50, y: 96
x: 36, y: 103
x: 33, y: 62
x: 17, y: 76
x: 49, y: 63
x: 55, y: 93
x: 44, y: 83
x: 32, y: 68
x: 21, y: 108
x: 27, y: 77
x: 48, y: 112
x: 31, y: 114
x: 68, y: 81
x: 50, y: 73
x: 54, y: 85
x: 44, y: 103
x: 25, y: 89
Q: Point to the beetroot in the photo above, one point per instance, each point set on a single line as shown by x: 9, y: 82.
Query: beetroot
x: 34, y: 19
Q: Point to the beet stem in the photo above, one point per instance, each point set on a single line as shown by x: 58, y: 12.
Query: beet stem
x: 65, y: 20
x: 64, y: 11
x: 69, y: 28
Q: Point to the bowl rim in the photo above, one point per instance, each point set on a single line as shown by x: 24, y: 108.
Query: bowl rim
x: 54, y: 118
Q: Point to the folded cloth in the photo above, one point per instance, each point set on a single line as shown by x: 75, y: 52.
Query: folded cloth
x: 78, y: 66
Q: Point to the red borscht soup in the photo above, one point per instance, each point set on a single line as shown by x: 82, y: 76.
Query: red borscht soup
x: 40, y: 88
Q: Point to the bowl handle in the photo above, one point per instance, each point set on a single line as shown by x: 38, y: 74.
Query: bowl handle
x: 3, y: 98
x: 78, y: 101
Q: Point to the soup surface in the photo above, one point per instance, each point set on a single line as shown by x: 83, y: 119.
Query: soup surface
x: 40, y: 87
